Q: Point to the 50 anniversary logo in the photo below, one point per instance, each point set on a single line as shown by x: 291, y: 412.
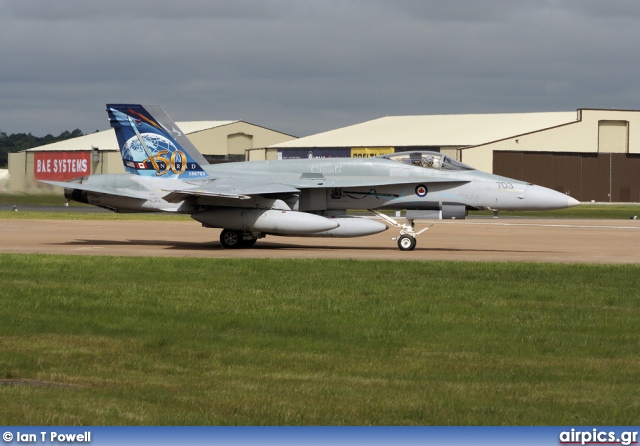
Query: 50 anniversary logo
x: 176, y: 163
x: 155, y: 152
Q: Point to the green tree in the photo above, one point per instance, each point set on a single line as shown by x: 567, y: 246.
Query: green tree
x: 17, y: 142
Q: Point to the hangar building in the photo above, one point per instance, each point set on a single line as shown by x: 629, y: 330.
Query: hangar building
x: 98, y: 153
x: 591, y: 154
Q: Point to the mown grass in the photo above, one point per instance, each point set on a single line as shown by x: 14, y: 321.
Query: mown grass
x: 43, y: 215
x: 601, y: 211
x: 587, y: 211
x: 151, y: 341
x: 37, y: 200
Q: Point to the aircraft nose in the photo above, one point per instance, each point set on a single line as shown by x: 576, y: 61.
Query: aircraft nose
x: 538, y: 197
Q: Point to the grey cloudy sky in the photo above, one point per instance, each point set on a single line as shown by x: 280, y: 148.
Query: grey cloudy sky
x: 303, y: 67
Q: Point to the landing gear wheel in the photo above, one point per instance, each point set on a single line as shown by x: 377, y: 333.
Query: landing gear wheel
x: 248, y: 243
x: 406, y: 243
x: 407, y: 238
x: 231, y: 239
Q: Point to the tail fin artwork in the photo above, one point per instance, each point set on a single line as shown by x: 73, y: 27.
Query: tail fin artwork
x: 151, y: 144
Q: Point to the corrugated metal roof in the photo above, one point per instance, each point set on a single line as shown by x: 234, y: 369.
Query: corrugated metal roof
x: 106, y: 140
x: 198, y: 126
x: 433, y: 130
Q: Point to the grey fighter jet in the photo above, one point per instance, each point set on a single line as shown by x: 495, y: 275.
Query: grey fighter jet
x: 305, y: 197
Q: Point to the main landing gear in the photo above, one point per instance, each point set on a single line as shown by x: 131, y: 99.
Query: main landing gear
x: 231, y: 239
x: 407, y: 238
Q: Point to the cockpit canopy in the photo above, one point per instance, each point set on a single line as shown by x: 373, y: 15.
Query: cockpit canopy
x: 430, y: 160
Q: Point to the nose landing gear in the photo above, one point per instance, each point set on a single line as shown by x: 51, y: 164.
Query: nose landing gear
x: 407, y: 238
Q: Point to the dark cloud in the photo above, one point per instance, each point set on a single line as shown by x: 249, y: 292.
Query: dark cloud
x: 305, y: 67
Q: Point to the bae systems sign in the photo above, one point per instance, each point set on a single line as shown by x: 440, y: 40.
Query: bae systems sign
x: 61, y: 165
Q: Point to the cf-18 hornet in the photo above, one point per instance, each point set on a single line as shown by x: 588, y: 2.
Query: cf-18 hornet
x: 300, y: 197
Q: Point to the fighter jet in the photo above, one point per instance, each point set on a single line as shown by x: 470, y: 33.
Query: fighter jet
x: 303, y: 197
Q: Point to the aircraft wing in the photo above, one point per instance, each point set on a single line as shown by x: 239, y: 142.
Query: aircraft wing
x: 312, y: 183
x: 238, y: 188
x: 96, y: 189
x: 245, y: 188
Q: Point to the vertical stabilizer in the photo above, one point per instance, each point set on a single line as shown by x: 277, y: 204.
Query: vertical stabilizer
x: 151, y: 144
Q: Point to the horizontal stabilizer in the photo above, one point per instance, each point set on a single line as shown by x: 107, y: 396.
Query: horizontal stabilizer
x: 98, y: 190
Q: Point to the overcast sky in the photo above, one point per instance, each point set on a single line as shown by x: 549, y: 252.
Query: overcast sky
x: 302, y: 67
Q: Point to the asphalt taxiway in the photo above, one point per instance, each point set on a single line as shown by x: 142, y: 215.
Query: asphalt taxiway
x: 502, y: 240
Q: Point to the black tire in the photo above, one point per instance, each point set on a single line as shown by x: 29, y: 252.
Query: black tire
x: 248, y: 243
x: 231, y: 239
x: 406, y: 243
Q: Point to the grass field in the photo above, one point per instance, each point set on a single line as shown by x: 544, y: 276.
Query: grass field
x: 603, y: 211
x: 585, y: 210
x: 596, y: 211
x: 37, y: 200
x: 153, y: 341
x: 43, y: 215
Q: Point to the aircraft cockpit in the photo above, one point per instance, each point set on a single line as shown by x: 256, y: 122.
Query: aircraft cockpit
x: 429, y: 160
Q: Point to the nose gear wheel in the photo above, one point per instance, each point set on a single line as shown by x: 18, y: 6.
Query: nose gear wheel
x: 407, y: 238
